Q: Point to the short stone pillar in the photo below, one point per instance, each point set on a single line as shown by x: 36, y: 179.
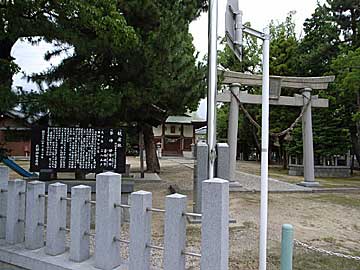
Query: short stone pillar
x: 308, y: 148
x: 287, y: 246
x: 35, y: 215
x: 233, y: 128
x: 223, y: 161
x: 15, y: 219
x: 80, y: 223
x: 56, y: 219
x: 140, y: 230
x: 4, y: 178
x: 200, y: 173
x: 175, y: 232
x: 215, y: 225
x: 108, y: 220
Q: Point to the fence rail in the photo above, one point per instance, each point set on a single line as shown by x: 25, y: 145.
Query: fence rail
x: 23, y: 221
x: 325, y: 252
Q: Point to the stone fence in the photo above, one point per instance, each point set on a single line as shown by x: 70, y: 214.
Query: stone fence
x: 31, y: 242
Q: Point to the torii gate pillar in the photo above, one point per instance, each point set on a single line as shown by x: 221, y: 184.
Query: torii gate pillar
x: 233, y: 129
x: 308, y: 147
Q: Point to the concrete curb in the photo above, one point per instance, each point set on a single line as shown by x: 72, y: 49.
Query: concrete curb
x: 37, y: 259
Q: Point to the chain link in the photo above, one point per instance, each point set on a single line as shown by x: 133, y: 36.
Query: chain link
x: 326, y: 252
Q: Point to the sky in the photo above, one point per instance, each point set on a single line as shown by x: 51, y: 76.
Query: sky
x: 258, y: 12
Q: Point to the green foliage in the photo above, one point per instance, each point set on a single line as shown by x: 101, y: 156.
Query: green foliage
x: 8, y: 97
x: 319, y: 45
x: 128, y: 63
x: 289, y: 56
x: 18, y: 19
x: 330, y: 137
x: 283, y: 46
x: 346, y: 14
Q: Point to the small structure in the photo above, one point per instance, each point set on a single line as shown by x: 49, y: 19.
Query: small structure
x: 335, y: 166
x: 177, y: 134
x: 15, y: 133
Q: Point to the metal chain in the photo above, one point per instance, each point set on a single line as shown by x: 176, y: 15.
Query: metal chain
x: 278, y: 134
x: 326, y: 252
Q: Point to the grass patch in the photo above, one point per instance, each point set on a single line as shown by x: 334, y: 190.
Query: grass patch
x: 316, y: 261
x: 344, y: 200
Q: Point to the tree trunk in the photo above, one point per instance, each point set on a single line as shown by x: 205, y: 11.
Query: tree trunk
x: 256, y: 140
x: 152, y: 161
x: 5, y: 56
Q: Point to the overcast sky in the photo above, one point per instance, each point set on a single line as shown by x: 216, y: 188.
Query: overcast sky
x: 258, y: 12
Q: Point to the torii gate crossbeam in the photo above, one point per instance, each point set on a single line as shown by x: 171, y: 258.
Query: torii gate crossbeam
x: 305, y: 84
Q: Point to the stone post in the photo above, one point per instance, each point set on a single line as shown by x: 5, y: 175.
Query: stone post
x: 56, y: 219
x: 175, y: 232
x: 223, y: 161
x: 15, y: 220
x: 308, y: 148
x: 233, y: 128
x: 108, y: 220
x: 80, y: 223
x: 4, y: 178
x: 35, y: 215
x: 215, y: 225
x: 200, y: 173
x: 140, y: 230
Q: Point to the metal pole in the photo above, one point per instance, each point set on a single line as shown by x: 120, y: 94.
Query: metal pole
x: 264, y: 151
x: 212, y: 84
x: 287, y: 239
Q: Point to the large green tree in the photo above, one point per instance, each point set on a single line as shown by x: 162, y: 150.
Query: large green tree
x: 130, y: 61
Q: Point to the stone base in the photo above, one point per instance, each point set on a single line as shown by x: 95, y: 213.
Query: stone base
x: 37, y: 259
x: 235, y: 186
x: 309, y: 184
x: 321, y: 171
x: 194, y: 220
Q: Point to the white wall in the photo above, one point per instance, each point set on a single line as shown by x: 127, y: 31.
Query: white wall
x: 188, y: 131
x: 157, y: 131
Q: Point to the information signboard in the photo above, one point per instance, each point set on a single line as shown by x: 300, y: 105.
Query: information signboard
x: 69, y: 149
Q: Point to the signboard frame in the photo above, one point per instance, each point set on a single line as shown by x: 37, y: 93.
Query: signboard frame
x: 73, y: 149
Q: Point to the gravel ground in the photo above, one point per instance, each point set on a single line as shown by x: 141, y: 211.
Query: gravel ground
x: 253, y: 182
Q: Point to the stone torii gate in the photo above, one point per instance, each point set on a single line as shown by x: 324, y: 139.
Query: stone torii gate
x: 305, y: 84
